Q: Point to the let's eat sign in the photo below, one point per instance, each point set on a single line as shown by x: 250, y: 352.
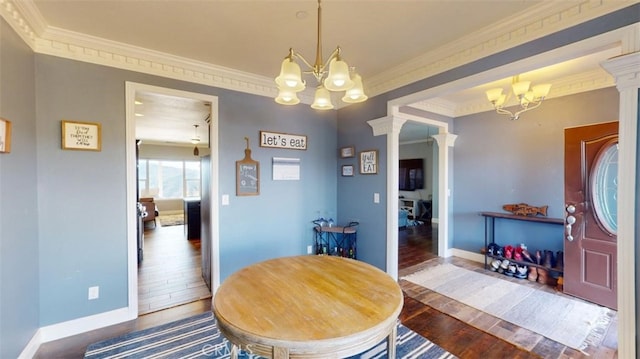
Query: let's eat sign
x: 283, y: 140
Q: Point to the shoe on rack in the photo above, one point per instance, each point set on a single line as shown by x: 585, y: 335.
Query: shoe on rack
x: 521, y: 271
x: 560, y: 260
x: 495, y: 264
x: 533, y: 274
x: 548, y: 259
x: 517, y: 253
x: 527, y: 256
x: 511, y: 270
x: 538, y: 258
x: 503, y: 266
x: 508, y: 251
x: 492, y: 249
x: 560, y: 284
x: 542, y: 276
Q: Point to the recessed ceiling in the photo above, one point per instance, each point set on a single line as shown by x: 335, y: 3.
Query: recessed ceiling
x: 170, y: 120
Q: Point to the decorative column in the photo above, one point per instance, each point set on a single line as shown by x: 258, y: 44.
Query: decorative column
x: 391, y: 126
x: 626, y: 70
x: 444, y: 140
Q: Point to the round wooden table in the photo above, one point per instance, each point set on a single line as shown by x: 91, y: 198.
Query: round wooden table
x: 308, y: 307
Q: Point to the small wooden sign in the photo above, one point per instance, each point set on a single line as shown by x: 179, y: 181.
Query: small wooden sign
x: 247, y: 174
x: 283, y: 140
x: 369, y: 162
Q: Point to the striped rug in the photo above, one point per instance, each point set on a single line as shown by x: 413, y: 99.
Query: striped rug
x: 198, y: 337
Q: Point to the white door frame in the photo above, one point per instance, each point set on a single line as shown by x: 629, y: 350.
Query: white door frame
x: 130, y: 134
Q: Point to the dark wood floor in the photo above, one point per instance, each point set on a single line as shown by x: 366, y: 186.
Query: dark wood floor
x: 416, y: 248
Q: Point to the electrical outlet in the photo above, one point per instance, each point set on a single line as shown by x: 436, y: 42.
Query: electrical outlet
x: 376, y: 197
x: 309, y: 249
x: 94, y: 293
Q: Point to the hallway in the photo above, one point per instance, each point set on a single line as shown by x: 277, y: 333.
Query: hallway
x: 170, y: 273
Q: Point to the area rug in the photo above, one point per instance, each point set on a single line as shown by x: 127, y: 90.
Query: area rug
x: 198, y: 337
x: 567, y: 321
x: 171, y: 220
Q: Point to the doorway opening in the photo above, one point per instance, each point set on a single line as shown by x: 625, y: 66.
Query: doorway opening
x: 166, y: 266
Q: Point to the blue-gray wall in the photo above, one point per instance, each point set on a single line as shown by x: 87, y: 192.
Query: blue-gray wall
x: 19, y: 296
x: 82, y: 194
x: 499, y: 161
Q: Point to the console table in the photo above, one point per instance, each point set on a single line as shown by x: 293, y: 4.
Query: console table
x: 308, y: 307
x: 489, y: 231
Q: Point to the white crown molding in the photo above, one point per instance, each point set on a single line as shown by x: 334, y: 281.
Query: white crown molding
x: 438, y: 106
x: 542, y: 20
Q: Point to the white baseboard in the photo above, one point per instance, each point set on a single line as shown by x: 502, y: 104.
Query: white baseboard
x: 32, y: 347
x: 472, y: 256
x: 73, y: 327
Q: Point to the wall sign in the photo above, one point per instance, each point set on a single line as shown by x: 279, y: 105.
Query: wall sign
x: 81, y: 136
x: 283, y: 140
x: 247, y: 174
x: 369, y: 162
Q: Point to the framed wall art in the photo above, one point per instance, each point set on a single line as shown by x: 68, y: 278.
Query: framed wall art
x: 369, y: 162
x: 347, y: 170
x: 247, y: 174
x: 85, y: 136
x: 5, y: 136
x: 347, y: 152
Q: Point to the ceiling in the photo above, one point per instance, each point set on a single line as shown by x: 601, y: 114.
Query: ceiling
x: 253, y: 36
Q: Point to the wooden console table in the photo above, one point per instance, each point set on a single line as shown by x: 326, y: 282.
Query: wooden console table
x: 489, y: 230
x: 308, y: 307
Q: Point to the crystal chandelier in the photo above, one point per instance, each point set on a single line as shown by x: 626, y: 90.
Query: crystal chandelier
x: 527, y: 98
x: 338, y: 77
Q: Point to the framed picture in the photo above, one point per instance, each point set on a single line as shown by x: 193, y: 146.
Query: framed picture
x: 347, y: 152
x: 369, y: 162
x: 347, y: 170
x: 5, y: 136
x: 85, y: 136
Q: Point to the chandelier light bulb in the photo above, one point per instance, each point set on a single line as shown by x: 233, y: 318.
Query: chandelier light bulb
x: 520, y: 88
x: 356, y: 93
x: 290, y: 76
x: 338, y: 78
x: 286, y: 97
x: 322, y: 100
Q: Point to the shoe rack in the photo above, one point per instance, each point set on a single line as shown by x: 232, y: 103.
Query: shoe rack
x: 489, y: 236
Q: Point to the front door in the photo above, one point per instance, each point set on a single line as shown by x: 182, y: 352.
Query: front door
x: 590, y: 241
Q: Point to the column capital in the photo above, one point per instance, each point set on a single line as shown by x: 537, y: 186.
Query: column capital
x: 625, y: 69
x: 445, y: 139
x: 386, y: 125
